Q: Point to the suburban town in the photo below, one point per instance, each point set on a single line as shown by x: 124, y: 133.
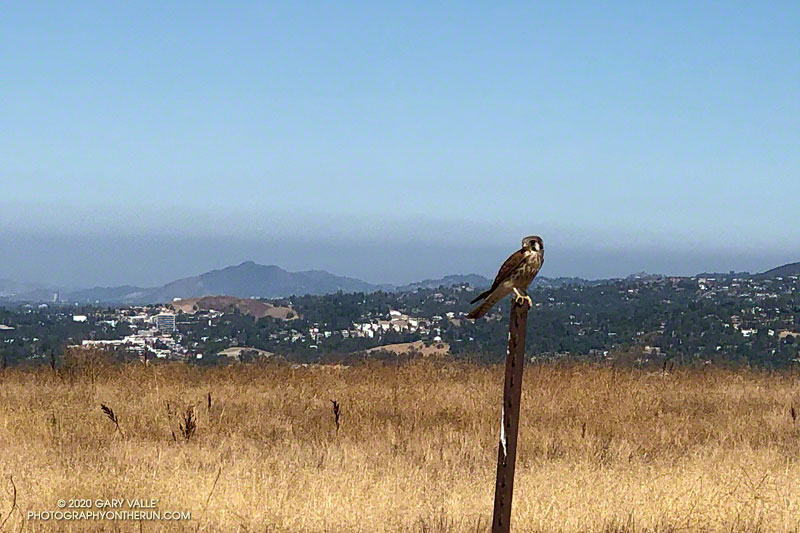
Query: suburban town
x: 642, y: 319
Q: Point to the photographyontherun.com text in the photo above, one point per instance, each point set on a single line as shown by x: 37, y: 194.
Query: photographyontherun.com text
x: 109, y: 515
x: 115, y: 509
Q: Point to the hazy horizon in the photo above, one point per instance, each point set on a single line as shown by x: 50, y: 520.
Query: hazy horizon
x: 149, y: 261
x: 145, y: 142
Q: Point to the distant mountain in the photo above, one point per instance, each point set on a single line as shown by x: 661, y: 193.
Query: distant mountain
x: 251, y: 280
x: 480, y: 282
x: 555, y: 283
x: 474, y: 280
x: 792, y: 269
x: 247, y: 280
x: 725, y: 275
x: 643, y: 276
x: 125, y: 293
x: 10, y: 288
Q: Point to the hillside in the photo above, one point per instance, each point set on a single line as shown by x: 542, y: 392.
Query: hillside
x: 245, y: 306
x: 425, y: 349
x: 791, y: 269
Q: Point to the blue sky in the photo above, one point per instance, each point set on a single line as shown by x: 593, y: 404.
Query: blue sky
x: 394, y: 141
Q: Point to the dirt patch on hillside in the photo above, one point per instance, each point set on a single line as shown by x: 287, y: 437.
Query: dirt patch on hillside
x: 421, y: 347
x: 239, y: 353
x: 246, y: 306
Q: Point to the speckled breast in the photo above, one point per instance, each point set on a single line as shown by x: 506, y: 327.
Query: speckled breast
x: 524, y: 275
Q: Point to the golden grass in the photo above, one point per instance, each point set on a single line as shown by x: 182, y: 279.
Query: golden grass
x: 601, y: 449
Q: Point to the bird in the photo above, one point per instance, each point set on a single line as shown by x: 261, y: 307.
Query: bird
x: 514, y: 276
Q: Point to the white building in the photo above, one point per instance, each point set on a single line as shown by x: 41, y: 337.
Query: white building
x: 165, y: 322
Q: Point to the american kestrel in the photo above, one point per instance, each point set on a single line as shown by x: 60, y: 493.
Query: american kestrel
x: 514, y: 276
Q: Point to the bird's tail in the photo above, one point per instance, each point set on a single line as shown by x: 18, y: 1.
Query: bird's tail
x: 481, y: 296
x: 486, y: 305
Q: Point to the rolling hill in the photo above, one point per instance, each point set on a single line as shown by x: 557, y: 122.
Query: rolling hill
x: 248, y: 280
x: 791, y: 269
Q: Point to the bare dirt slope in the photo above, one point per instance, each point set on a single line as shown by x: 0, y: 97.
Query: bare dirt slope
x: 248, y: 306
x: 420, y: 347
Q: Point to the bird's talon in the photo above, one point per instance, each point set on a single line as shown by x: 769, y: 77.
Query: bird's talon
x: 520, y: 299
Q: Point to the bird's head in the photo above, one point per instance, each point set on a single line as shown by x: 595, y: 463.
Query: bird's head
x: 533, y: 243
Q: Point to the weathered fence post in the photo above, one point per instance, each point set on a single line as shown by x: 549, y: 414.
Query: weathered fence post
x: 509, y: 418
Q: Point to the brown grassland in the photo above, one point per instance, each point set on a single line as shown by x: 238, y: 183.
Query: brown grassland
x: 601, y: 449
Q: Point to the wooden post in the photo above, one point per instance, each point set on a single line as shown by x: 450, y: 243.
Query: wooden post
x: 509, y: 418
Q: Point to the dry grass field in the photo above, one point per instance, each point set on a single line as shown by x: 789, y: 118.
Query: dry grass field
x: 601, y: 449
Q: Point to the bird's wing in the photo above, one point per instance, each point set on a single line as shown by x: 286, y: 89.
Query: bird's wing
x: 511, y: 264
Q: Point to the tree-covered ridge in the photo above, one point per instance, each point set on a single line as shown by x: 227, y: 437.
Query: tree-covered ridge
x: 741, y: 320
